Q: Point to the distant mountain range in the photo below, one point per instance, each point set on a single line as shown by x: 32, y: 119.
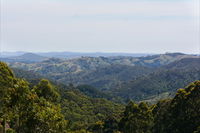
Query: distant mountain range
x: 70, y: 54
x: 26, y: 58
x: 122, y: 76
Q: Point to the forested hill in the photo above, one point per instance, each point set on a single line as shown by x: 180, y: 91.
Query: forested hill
x: 180, y: 114
x: 84, y: 63
x: 101, y: 72
x: 138, y: 78
x: 165, y: 79
x: 133, y: 82
x: 47, y: 108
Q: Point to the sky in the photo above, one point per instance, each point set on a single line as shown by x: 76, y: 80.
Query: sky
x: 129, y: 26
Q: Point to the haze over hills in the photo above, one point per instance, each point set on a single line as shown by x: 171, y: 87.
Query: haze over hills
x: 123, y: 76
x: 25, y: 57
x: 28, y: 57
x: 72, y: 54
x: 38, y: 57
x: 12, y: 54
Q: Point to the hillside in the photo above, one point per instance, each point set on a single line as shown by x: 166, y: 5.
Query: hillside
x: 162, y: 59
x: 104, y: 77
x: 130, y: 82
x: 127, y: 77
x: 175, y: 75
x: 83, y: 111
x: 69, y: 108
x: 101, y: 72
x: 180, y: 114
x: 45, y: 108
x: 88, y: 90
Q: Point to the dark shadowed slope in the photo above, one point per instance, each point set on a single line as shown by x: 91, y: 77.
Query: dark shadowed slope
x: 165, y: 79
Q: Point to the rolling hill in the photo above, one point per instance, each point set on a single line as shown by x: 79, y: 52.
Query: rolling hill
x: 137, y: 78
x: 175, y: 75
x: 25, y: 58
x: 101, y: 72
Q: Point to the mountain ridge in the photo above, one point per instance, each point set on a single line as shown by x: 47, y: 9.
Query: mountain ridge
x: 25, y: 58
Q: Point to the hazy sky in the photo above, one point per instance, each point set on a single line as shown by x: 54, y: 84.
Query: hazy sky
x: 133, y: 26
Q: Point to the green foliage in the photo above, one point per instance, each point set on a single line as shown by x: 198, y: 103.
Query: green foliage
x: 35, y: 108
x: 9, y: 130
x: 6, y: 81
x: 165, y: 79
x: 25, y: 111
x: 42, y: 108
x: 47, y: 118
x: 136, y: 119
x: 111, y: 124
x: 178, y: 115
x: 82, y: 111
x: 46, y: 90
x: 97, y: 127
x: 93, y: 92
x: 31, y: 77
x: 181, y: 114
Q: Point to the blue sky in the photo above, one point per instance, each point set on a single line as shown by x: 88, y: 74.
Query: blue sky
x: 132, y: 26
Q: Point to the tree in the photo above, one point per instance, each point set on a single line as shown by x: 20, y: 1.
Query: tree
x: 136, y: 119
x: 46, y: 90
x: 24, y: 109
x: 6, y: 84
x: 181, y: 114
x: 110, y: 125
x: 47, y: 118
x: 97, y: 127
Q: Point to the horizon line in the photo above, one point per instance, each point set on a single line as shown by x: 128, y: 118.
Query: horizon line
x: 90, y: 52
